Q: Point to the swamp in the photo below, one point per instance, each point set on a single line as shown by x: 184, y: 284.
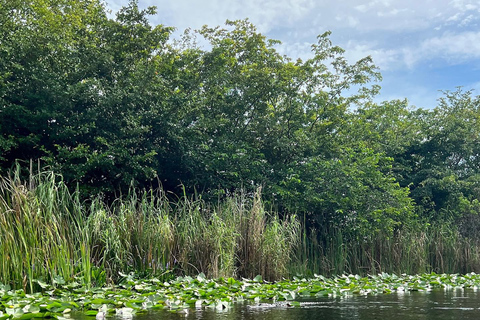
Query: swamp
x: 149, y: 175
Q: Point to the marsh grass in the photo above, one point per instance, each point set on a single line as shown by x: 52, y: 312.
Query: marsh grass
x: 39, y: 229
x: 266, y: 243
x: 236, y: 237
x: 47, y: 234
x: 429, y: 248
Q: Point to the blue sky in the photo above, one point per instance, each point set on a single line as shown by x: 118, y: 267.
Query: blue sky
x: 421, y: 46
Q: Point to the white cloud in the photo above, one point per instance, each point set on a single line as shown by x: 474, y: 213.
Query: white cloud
x: 358, y: 24
x: 468, y: 20
x: 464, y: 5
x: 362, y: 8
x: 385, y: 59
x: 455, y: 17
x: 356, y: 16
x: 452, y: 47
x: 266, y: 14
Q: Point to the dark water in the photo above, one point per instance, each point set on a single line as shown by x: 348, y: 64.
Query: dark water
x: 435, y: 305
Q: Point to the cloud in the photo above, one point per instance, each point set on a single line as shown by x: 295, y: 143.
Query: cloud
x: 271, y: 14
x: 449, y: 48
x: 405, y: 32
x: 266, y: 14
x: 452, y: 47
x: 352, y: 18
x: 385, y: 59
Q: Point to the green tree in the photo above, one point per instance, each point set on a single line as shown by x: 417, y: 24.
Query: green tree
x: 391, y: 128
x: 256, y: 112
x: 259, y: 118
x: 35, y: 44
x: 82, y: 90
x: 445, y: 168
x: 108, y: 102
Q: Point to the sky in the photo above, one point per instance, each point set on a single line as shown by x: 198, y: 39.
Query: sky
x: 422, y: 47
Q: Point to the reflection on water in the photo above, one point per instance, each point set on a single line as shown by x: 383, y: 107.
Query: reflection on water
x: 434, y: 305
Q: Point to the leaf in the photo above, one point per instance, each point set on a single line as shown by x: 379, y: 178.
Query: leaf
x: 295, y: 304
x: 42, y: 284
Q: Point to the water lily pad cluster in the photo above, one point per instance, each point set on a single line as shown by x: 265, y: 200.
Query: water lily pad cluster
x: 140, y: 295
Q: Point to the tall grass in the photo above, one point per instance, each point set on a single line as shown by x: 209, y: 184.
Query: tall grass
x: 133, y: 234
x: 40, y: 229
x: 48, y: 234
x: 266, y: 244
x: 430, y: 248
x: 237, y: 237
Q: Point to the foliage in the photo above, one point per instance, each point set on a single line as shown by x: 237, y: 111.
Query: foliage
x: 41, y: 229
x: 113, y: 105
x: 46, y: 232
x: 350, y: 193
x: 79, y: 91
x: 446, y: 178
x: 133, y: 296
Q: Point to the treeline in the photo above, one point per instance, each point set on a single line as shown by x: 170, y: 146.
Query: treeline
x: 116, y: 104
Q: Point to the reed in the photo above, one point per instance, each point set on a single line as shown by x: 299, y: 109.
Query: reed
x: 48, y: 235
x: 429, y: 248
x: 236, y: 237
x: 40, y: 226
x: 266, y: 244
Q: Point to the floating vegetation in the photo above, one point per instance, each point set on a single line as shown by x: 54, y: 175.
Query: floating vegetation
x: 135, y: 296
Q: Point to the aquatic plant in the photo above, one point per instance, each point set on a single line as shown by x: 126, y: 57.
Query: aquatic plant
x: 412, y: 250
x: 41, y: 227
x: 46, y: 232
x: 134, y: 295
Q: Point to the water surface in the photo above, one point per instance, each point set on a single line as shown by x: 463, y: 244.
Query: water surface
x: 435, y: 305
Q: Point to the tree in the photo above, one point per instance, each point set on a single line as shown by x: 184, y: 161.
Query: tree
x: 82, y: 91
x: 349, y: 192
x: 257, y: 112
x: 110, y: 102
x: 445, y: 171
x: 259, y: 118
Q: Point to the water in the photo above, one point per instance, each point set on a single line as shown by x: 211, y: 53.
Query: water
x: 435, y: 305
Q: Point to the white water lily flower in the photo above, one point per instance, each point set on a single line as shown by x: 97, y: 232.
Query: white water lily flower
x: 101, y: 315
x: 124, y: 310
x: 125, y: 313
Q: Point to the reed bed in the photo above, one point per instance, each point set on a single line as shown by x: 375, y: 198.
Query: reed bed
x: 41, y: 226
x: 429, y: 248
x: 48, y: 235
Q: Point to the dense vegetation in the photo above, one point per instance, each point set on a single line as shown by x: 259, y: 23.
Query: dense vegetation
x: 183, y: 293
x: 157, y: 147
x: 47, y: 234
